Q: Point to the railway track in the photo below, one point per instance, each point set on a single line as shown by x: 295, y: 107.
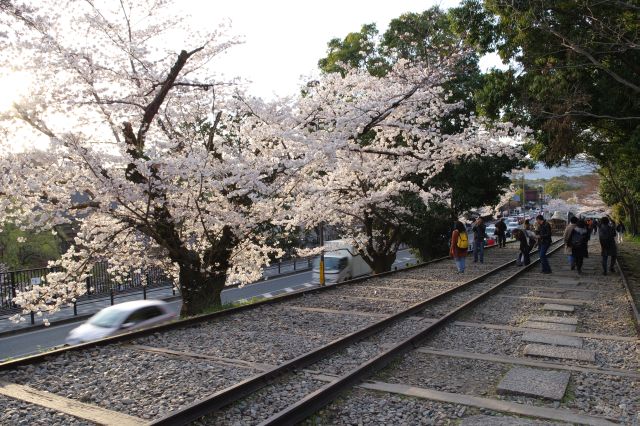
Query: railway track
x: 171, y: 374
x: 544, y: 349
x: 360, y: 355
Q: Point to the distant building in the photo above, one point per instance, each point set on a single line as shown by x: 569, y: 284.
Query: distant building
x: 532, y: 195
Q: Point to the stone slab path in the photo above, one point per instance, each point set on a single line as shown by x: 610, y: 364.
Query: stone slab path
x: 535, y: 382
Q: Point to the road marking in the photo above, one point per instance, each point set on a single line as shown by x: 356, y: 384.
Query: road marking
x: 289, y: 290
x: 267, y: 295
x: 68, y: 406
x: 308, y: 285
x: 242, y: 301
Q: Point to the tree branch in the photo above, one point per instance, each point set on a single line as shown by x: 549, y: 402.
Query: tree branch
x: 588, y: 114
x: 152, y: 109
x: 579, y: 50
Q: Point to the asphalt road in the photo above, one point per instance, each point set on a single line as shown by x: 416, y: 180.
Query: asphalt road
x: 39, y: 340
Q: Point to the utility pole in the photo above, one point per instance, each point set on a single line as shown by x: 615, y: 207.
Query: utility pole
x: 321, y: 241
x: 541, y: 188
x: 524, y: 196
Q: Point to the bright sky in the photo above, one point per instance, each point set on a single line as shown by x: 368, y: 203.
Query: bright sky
x: 286, y: 38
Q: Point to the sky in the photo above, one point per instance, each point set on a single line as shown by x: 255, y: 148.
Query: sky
x: 284, y: 39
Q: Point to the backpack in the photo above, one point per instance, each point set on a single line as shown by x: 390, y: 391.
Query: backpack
x: 531, y: 237
x: 463, y: 240
x: 577, y: 238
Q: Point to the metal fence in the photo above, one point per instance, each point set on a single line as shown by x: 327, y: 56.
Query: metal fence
x: 100, y: 284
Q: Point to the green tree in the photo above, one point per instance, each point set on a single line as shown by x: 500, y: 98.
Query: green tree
x: 25, y: 249
x: 357, y: 50
x: 475, y: 182
x: 555, y: 186
x: 573, y: 77
x: 620, y: 179
x: 431, y: 232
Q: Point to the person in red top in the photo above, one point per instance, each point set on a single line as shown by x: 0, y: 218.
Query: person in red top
x: 459, y: 245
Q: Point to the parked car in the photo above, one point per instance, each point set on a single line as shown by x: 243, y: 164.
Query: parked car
x: 121, y: 318
x: 510, y: 227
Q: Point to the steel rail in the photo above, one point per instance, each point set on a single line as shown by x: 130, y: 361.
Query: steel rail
x: 318, y: 399
x: 174, y: 325
x: 248, y: 386
x: 632, y: 301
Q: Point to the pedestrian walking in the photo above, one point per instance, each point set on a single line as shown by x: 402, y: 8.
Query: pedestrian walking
x: 479, y: 235
x: 596, y: 224
x: 608, y: 248
x: 459, y: 245
x: 567, y: 241
x: 544, y: 242
x: 579, y: 241
x: 501, y: 233
x: 531, y: 235
x: 523, y: 256
x: 620, y: 230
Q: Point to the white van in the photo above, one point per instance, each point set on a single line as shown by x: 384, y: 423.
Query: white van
x: 340, y: 264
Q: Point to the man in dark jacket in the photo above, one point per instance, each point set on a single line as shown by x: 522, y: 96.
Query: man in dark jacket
x: 501, y: 233
x: 523, y: 257
x: 479, y: 234
x: 607, y: 236
x: 544, y: 242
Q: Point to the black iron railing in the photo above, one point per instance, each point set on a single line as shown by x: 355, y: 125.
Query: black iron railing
x: 100, y: 284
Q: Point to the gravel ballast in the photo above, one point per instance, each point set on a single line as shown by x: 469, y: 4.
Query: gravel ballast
x: 588, y: 393
x: 131, y: 382
x: 19, y: 413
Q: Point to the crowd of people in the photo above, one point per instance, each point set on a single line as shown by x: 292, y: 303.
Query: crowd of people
x: 576, y: 238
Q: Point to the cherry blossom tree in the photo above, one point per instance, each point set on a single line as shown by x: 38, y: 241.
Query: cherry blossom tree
x: 175, y: 169
x: 180, y: 170
x: 379, y: 140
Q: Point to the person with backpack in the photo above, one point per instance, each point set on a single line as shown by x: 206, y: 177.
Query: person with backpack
x: 479, y: 234
x: 579, y: 240
x: 544, y: 242
x: 501, y: 232
x: 620, y: 230
x: 567, y: 240
x: 459, y: 245
x: 607, y: 237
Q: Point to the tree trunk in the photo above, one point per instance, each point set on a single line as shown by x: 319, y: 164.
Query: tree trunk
x: 633, y: 219
x: 382, y: 262
x: 200, y: 291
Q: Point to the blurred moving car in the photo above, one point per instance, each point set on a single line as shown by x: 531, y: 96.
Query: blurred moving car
x: 121, y: 318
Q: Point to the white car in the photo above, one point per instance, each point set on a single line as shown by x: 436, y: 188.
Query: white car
x: 121, y: 318
x: 490, y: 231
x: 510, y: 227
